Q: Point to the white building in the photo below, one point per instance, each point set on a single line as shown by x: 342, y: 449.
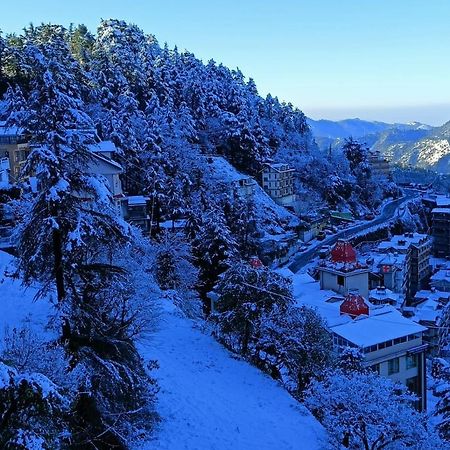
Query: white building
x: 342, y: 272
x: 417, y: 248
x: 441, y: 280
x: 278, y: 182
x: 392, y: 344
x: 4, y: 173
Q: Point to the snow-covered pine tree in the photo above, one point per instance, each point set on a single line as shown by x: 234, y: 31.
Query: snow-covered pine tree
x: 32, y: 411
x: 364, y: 410
x: 214, y: 248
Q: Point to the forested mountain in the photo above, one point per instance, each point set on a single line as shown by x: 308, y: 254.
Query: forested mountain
x: 169, y: 115
x: 427, y: 149
x: 164, y: 109
x: 412, y: 144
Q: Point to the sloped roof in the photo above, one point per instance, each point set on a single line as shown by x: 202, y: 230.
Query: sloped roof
x: 343, y: 252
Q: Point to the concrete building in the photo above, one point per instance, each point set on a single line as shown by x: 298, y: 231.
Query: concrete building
x: 441, y: 280
x: 224, y: 176
x: 342, y: 272
x: 428, y: 310
x: 392, y: 345
x: 440, y: 231
x: 278, y: 182
x: 14, y: 146
x: 379, y: 164
x: 417, y: 248
x: 389, y: 270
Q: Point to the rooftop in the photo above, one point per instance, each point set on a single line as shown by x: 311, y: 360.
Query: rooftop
x: 384, y: 323
x: 403, y: 241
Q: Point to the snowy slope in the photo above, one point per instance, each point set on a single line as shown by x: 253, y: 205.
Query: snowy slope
x: 212, y: 401
x: 17, y: 305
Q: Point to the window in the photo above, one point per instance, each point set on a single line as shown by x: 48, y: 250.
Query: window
x: 393, y: 366
x: 376, y: 368
x: 411, y: 361
x: 413, y: 385
x: 340, y: 280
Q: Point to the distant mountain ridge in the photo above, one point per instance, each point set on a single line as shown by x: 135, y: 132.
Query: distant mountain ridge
x: 357, y: 128
x: 414, y: 143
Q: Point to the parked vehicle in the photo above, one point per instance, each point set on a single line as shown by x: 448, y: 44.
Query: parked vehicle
x: 324, y: 251
x: 321, y: 235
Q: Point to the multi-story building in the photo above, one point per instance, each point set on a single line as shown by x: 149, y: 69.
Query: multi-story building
x: 429, y: 309
x: 392, y: 345
x: 379, y: 164
x: 14, y: 146
x: 389, y: 270
x: 441, y: 279
x: 441, y: 231
x: 278, y: 182
x: 417, y: 248
x: 220, y: 172
x: 342, y: 272
x: 4, y: 173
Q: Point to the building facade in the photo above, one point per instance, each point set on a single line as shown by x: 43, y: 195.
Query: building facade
x: 379, y: 164
x: 342, y: 272
x: 392, y: 345
x: 278, y: 182
x: 417, y: 248
x: 440, y: 232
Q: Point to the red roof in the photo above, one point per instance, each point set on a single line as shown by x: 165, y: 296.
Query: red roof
x: 354, y: 305
x: 343, y: 252
x: 255, y: 262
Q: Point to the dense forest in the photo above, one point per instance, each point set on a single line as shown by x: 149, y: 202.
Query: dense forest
x: 166, y: 112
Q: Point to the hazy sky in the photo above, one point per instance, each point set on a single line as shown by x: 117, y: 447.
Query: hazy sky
x: 373, y: 59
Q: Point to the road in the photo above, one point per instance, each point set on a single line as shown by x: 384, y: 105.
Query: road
x: 387, y: 213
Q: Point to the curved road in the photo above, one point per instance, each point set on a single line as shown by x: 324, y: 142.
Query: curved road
x: 387, y: 213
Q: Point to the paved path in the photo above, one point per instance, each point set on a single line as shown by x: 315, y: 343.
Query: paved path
x: 387, y: 213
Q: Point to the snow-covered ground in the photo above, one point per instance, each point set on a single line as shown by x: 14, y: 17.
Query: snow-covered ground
x: 17, y: 305
x: 208, y: 399
x: 212, y: 401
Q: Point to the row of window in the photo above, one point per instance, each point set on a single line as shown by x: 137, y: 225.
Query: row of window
x: 390, y: 343
x: 412, y: 361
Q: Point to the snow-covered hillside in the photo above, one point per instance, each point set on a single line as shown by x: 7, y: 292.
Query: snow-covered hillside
x: 208, y: 399
x: 212, y: 400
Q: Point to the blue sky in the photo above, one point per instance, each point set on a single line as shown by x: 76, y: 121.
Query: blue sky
x: 373, y: 59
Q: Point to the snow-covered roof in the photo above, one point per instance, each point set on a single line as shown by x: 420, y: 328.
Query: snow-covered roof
x: 9, y: 131
x: 431, y: 306
x: 383, y: 294
x: 439, y: 199
x: 137, y: 200
x: 442, y: 275
x: 388, y: 259
x: 103, y: 147
x: 383, y: 324
x: 403, y: 242
x: 107, y: 161
x: 279, y: 167
x: 441, y: 210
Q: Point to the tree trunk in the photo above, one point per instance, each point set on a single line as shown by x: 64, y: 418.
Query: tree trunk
x: 58, y: 265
